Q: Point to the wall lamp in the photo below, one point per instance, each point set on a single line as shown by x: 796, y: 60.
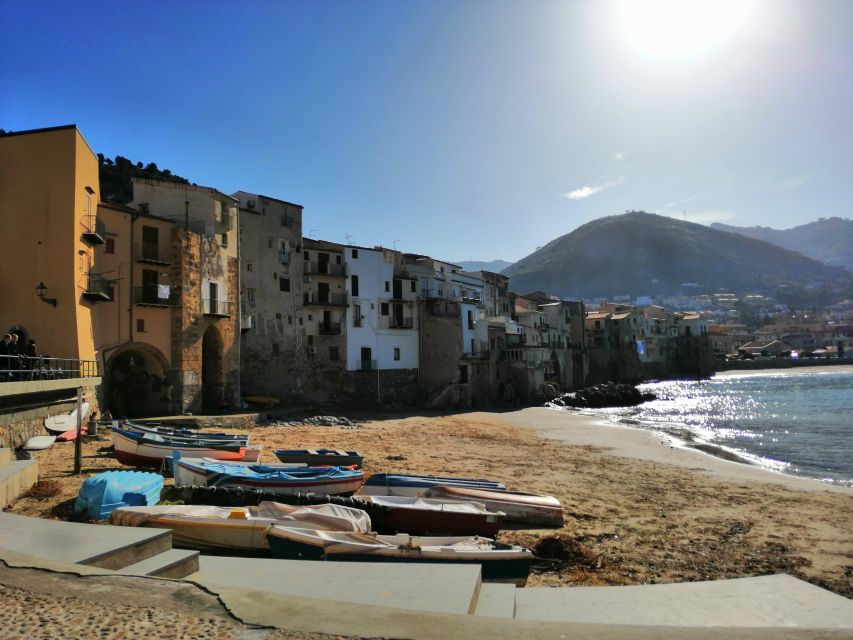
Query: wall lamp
x: 41, y: 290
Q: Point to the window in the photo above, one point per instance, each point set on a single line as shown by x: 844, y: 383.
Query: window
x: 413, y: 285
x: 463, y: 374
x: 354, y: 285
x: 356, y: 315
x: 383, y: 308
x: 140, y: 325
x: 269, y: 242
x: 470, y: 319
x: 396, y: 353
x: 248, y: 266
x: 310, y: 317
x: 387, y: 286
x: 223, y: 239
x: 275, y: 350
x: 278, y: 316
x: 250, y: 296
x: 304, y: 255
x: 284, y: 284
x: 110, y: 246
x: 289, y: 319
x: 334, y: 353
x: 300, y: 322
x: 355, y: 254
x: 275, y: 276
x: 310, y: 341
x: 338, y: 259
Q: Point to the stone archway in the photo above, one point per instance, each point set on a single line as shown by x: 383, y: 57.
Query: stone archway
x: 212, y: 377
x: 136, y: 382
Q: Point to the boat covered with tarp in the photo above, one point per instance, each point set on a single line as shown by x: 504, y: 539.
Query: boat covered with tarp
x: 238, y: 528
x: 523, y: 508
x: 100, y: 495
x: 424, y: 516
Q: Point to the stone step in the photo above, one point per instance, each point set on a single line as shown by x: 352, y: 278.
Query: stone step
x: 5, y: 456
x: 73, y: 542
x: 496, y: 600
x: 17, y: 477
x: 175, y: 563
x: 438, y: 588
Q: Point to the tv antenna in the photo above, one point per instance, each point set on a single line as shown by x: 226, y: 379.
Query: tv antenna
x: 395, y: 244
x: 348, y: 238
x: 312, y: 233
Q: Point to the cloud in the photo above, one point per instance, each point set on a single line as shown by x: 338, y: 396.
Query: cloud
x: 619, y: 156
x: 676, y: 202
x: 794, y: 182
x: 586, y: 192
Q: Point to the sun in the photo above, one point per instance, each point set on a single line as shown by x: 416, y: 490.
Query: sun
x: 681, y: 30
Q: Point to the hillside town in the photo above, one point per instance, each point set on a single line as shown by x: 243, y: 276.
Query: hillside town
x: 190, y: 300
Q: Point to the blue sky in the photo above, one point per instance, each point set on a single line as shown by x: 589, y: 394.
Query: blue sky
x: 461, y: 129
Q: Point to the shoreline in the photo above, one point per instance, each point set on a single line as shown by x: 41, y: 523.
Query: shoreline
x: 623, y: 440
x: 780, y: 371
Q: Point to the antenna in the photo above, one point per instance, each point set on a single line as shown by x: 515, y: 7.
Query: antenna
x: 348, y: 238
x: 395, y: 244
x: 312, y: 233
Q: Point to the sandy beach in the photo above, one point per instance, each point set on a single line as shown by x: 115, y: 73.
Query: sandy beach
x: 637, y: 510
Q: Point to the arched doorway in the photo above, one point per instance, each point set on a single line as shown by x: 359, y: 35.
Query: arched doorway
x: 136, y: 384
x: 212, y: 383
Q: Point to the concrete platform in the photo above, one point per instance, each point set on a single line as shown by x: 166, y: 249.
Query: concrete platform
x: 496, y: 600
x: 5, y: 456
x: 766, y: 601
x: 414, y: 587
x: 175, y: 563
x: 16, y: 478
x: 72, y: 542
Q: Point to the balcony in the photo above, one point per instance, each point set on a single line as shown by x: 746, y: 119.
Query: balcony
x: 98, y: 288
x: 226, y: 219
x: 330, y: 328
x: 283, y: 257
x: 326, y: 269
x: 401, y: 323
x: 431, y: 294
x: 218, y: 308
x: 480, y: 352
x: 149, y: 252
x: 327, y: 300
x: 149, y: 296
x: 469, y: 298
x: 94, y: 230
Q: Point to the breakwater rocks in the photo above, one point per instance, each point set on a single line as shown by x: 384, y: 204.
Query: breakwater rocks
x: 602, y: 395
x: 315, y: 421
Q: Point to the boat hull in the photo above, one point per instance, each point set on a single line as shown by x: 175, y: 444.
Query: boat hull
x: 523, y: 508
x: 140, y: 452
x: 321, y: 457
x: 401, y: 485
x: 412, y: 519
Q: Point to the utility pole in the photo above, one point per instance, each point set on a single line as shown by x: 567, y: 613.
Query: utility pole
x: 78, y: 441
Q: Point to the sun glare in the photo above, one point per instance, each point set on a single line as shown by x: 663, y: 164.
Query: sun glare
x: 681, y: 30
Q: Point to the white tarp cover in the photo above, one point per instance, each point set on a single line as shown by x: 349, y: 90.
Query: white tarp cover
x: 403, y: 502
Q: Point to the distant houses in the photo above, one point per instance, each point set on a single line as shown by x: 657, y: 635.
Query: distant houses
x: 192, y: 300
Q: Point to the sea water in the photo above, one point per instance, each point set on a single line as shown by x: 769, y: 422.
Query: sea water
x: 794, y: 421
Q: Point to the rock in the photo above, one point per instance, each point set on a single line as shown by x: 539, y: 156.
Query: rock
x: 604, y: 395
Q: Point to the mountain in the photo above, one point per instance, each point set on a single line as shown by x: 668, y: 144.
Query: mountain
x: 829, y: 240
x: 495, y: 266
x: 645, y: 254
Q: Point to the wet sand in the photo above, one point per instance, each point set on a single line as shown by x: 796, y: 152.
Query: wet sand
x: 637, y: 510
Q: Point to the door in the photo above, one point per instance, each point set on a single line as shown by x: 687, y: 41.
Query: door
x: 149, y: 286
x: 326, y: 326
x: 323, y: 263
x: 323, y: 292
x: 366, y: 358
x: 213, y: 297
x: 398, y: 315
x: 398, y: 289
x: 150, y: 243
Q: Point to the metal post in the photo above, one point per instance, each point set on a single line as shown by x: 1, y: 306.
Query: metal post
x: 78, y: 441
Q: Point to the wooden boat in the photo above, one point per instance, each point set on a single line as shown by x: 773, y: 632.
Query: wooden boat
x: 105, y: 492
x: 500, y: 562
x: 422, y: 516
x: 141, y: 449
x: 180, y: 432
x: 320, y: 457
x: 238, y: 528
x: 527, y: 508
x: 39, y: 443
x: 398, y: 484
x: 64, y: 422
x: 275, y: 480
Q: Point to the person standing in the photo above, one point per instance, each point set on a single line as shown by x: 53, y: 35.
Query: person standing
x: 14, y: 357
x: 5, y: 360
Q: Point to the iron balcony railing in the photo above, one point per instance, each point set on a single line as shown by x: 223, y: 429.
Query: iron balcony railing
x: 217, y: 307
x: 147, y: 294
x: 283, y: 257
x: 94, y: 230
x: 150, y: 252
x: 22, y: 368
x: 326, y: 269
x: 470, y: 299
x: 330, y: 328
x: 431, y: 293
x: 328, y: 299
x: 226, y: 219
x: 401, y: 323
x: 98, y: 287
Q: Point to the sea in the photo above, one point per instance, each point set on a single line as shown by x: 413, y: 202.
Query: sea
x: 797, y: 422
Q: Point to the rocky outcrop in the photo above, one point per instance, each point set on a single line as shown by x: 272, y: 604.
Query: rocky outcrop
x: 602, y: 395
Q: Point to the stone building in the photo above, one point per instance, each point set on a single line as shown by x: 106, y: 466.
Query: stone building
x: 205, y: 280
x: 273, y: 350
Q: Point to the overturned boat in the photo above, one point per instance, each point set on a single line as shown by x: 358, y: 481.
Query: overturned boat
x: 524, y: 508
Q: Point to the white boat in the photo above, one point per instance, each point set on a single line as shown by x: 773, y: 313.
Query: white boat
x: 138, y: 449
x: 238, y: 528
x: 525, y: 508
x: 64, y: 422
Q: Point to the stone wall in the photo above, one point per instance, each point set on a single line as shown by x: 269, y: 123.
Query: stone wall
x: 396, y: 388
x: 22, y: 416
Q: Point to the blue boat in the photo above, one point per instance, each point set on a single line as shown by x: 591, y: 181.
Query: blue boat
x: 277, y: 480
x: 398, y: 484
x: 320, y: 457
x: 100, y: 495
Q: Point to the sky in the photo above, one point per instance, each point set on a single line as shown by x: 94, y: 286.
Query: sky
x: 462, y: 129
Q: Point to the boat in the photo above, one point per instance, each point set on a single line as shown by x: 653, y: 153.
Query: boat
x: 320, y: 457
x: 39, y: 443
x: 423, y: 516
x: 71, y: 434
x: 149, y: 449
x: 66, y: 421
x: 238, y: 528
x: 500, y: 562
x: 178, y: 431
x: 526, y: 508
x: 100, y: 495
x: 398, y: 484
x: 274, y: 480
